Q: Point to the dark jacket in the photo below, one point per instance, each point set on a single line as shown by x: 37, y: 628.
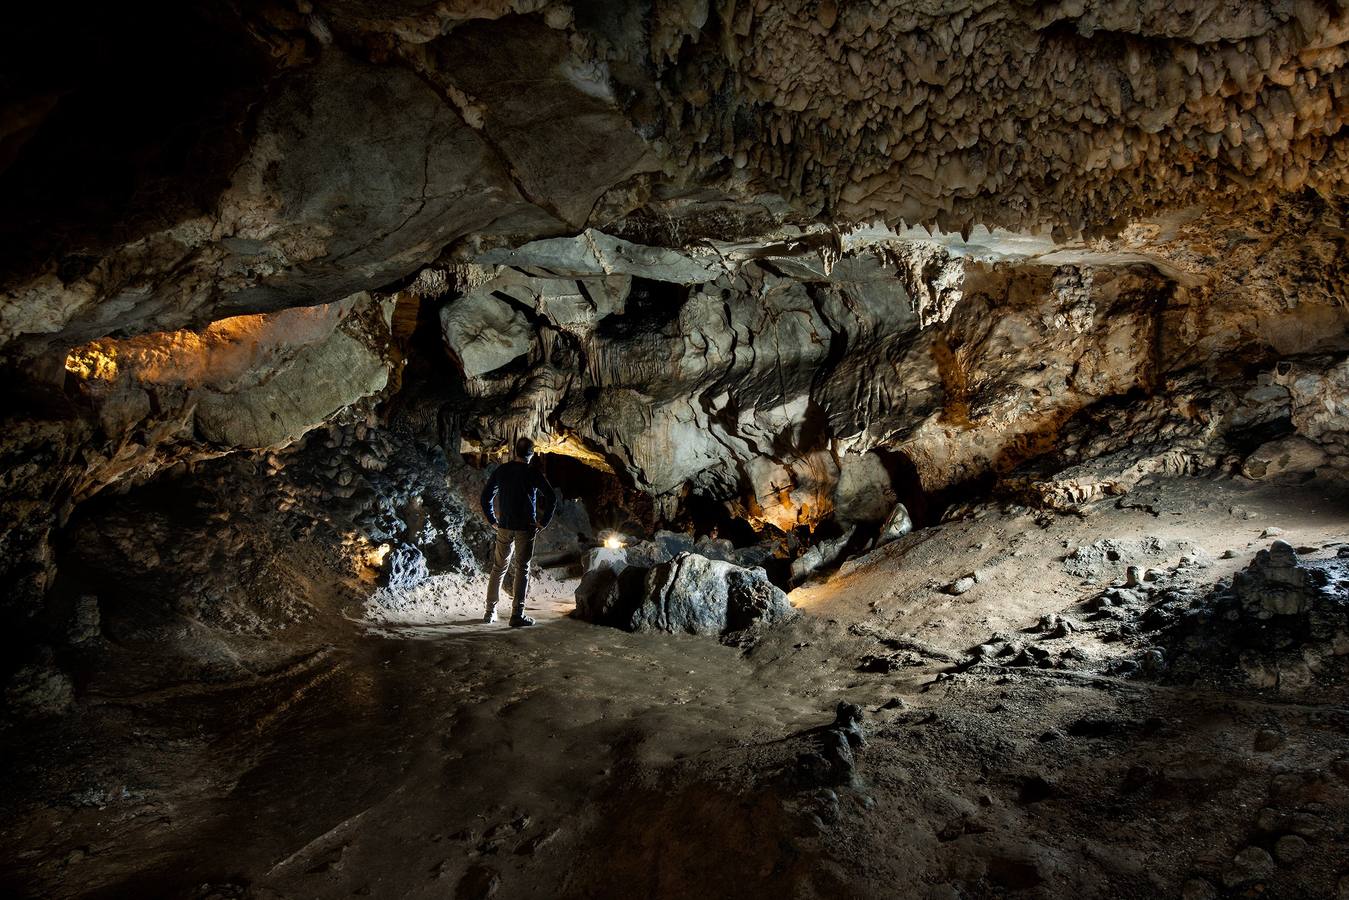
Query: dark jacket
x: 524, y: 498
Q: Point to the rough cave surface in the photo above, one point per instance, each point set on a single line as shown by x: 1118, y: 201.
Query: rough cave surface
x: 948, y: 406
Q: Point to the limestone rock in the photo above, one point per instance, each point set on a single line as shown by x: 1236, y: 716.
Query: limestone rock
x: 689, y: 594
x: 594, y: 254
x: 1274, y: 584
x: 484, y: 333
x: 406, y: 566
x: 896, y: 525
x: 1289, y: 457
x: 821, y: 554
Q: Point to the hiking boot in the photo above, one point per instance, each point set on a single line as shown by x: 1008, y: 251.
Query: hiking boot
x: 521, y: 620
x: 490, y: 618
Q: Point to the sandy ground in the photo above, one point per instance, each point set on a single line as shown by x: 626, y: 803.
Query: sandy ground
x: 571, y: 760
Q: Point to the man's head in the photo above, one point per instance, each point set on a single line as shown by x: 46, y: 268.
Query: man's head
x: 524, y: 449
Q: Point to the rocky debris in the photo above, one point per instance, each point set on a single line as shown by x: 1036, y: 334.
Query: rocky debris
x: 820, y: 555
x: 406, y: 568
x: 1053, y: 625
x: 1275, y: 585
x: 883, y: 664
x: 1283, y: 623
x: 39, y: 691
x: 690, y: 594
x: 1110, y: 557
x: 834, y: 762
x: 533, y: 845
x: 1035, y: 789
x: 1251, y: 865
x: 1267, y: 739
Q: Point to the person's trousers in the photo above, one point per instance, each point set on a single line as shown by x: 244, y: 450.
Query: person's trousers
x: 514, y: 549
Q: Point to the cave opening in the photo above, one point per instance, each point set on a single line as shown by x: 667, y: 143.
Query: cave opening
x: 612, y: 504
x: 650, y: 306
x: 707, y: 516
x: 925, y: 507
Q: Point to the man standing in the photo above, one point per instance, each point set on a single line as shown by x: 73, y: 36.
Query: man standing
x: 518, y: 501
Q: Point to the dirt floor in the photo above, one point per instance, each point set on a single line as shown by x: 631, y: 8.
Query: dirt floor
x: 572, y: 760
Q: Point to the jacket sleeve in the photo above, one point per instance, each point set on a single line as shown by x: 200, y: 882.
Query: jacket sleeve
x: 489, y: 493
x: 545, y: 500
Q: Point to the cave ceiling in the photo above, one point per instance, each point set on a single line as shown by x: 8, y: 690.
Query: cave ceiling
x: 331, y: 148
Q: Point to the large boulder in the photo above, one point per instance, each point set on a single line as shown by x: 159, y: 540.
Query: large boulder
x: 690, y: 594
x: 485, y: 333
x: 1290, y: 458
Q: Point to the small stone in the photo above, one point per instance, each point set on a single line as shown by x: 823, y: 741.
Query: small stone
x: 1196, y: 560
x: 1268, y: 819
x: 1229, y: 554
x: 1290, y: 848
x: 1267, y: 739
x: 1133, y: 576
x: 1064, y: 628
x: 1272, y: 531
x: 961, y: 585
x: 1251, y: 864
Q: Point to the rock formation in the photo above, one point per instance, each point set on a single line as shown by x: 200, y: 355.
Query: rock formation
x: 687, y: 594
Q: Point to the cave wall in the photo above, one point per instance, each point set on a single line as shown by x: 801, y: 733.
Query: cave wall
x: 760, y: 384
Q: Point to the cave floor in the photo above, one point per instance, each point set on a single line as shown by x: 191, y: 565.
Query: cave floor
x: 571, y: 760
